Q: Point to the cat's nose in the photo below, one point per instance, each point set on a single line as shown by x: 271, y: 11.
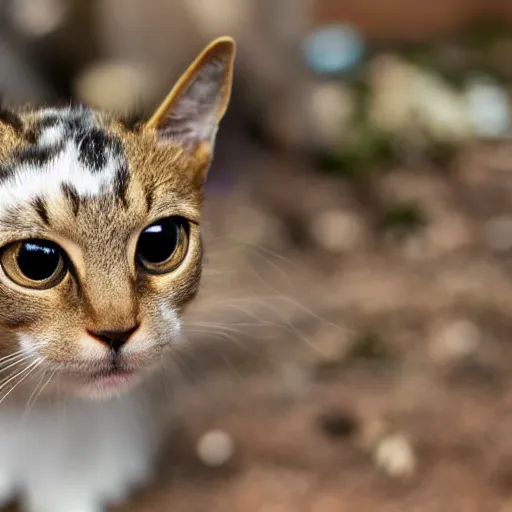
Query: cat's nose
x: 114, y: 339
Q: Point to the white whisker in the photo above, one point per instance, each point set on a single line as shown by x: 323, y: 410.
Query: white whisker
x: 12, y: 356
x: 41, y: 389
x: 36, y: 387
x: 25, y: 373
x: 15, y: 363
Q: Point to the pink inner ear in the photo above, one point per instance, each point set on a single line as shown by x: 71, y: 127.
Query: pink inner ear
x: 192, y: 116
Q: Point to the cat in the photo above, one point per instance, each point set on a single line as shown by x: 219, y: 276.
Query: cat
x: 100, y: 255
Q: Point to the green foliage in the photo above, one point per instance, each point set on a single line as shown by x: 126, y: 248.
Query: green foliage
x: 402, y: 218
x: 484, y: 32
x: 428, y: 59
x: 365, y: 151
x: 441, y: 153
x: 370, y: 346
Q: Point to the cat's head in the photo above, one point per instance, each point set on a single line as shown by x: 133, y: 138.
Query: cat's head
x: 100, y: 245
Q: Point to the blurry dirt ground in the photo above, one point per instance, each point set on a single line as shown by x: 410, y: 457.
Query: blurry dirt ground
x: 363, y: 371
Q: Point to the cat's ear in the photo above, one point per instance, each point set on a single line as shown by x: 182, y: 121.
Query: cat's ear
x: 191, y: 112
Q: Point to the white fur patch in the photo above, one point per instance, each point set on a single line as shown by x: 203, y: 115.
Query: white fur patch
x: 51, y: 136
x: 171, y: 321
x: 76, y: 456
x: 29, y: 181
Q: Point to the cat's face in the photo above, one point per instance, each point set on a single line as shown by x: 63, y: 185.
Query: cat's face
x: 100, y: 245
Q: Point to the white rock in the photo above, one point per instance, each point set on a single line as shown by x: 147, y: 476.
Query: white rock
x: 295, y: 378
x: 448, y: 233
x: 489, y: 107
x: 218, y: 16
x: 405, y: 97
x: 498, y: 232
x: 37, y: 18
x: 215, y: 448
x: 337, y: 231
x: 395, y: 456
x: 116, y: 86
x: 329, y: 108
x: 455, y: 341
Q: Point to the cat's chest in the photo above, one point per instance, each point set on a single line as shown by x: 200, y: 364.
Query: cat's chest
x: 94, y: 449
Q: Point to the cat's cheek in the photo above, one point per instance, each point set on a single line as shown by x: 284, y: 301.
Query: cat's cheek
x: 19, y: 312
x: 23, y: 310
x: 178, y: 289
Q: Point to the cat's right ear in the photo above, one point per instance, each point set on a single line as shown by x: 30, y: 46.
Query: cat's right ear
x: 189, y: 116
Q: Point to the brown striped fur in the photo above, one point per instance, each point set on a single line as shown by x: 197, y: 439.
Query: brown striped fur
x: 164, y: 165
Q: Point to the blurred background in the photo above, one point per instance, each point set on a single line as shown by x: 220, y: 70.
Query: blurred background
x: 350, y: 349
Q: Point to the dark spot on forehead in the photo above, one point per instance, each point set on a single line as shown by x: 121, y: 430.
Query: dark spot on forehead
x: 48, y: 121
x: 149, y: 199
x: 36, y: 156
x: 40, y: 207
x: 72, y: 120
x: 94, y: 146
x: 31, y: 136
x: 121, y: 181
x: 72, y: 196
x: 6, y: 171
x: 77, y: 125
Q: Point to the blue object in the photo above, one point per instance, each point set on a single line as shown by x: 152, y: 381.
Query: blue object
x: 333, y: 49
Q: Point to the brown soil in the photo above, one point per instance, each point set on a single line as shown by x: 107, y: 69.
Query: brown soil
x: 312, y: 359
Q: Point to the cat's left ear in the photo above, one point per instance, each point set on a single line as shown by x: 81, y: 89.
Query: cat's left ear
x: 190, y: 114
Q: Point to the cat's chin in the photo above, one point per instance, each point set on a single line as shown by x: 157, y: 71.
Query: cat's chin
x: 108, y: 387
x: 103, y: 386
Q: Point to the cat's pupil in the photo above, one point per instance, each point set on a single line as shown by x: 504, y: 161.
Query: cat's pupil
x: 158, y: 242
x: 38, y: 259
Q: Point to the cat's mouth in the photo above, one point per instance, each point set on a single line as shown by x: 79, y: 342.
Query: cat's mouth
x: 108, y: 382
x: 113, y: 376
x: 109, y: 379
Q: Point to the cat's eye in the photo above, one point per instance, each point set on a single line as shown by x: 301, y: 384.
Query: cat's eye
x: 162, y: 246
x: 34, y: 263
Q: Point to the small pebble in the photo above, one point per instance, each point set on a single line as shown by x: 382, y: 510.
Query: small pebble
x: 296, y: 378
x: 337, y: 231
x: 498, y: 233
x: 115, y: 86
x: 455, y: 341
x: 395, y: 456
x: 330, y: 107
x: 219, y: 15
x: 331, y: 345
x: 215, y: 448
x: 489, y: 107
x: 338, y: 424
x: 38, y: 18
x: 417, y: 247
x: 450, y: 233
